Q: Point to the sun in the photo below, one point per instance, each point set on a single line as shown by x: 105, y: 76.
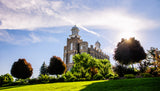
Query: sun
x: 126, y: 34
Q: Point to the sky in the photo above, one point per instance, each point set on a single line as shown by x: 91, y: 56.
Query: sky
x: 38, y: 29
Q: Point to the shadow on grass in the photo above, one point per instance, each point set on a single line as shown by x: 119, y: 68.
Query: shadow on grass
x: 8, y: 87
x: 139, y: 84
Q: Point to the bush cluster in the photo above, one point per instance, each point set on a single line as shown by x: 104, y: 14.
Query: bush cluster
x: 122, y: 70
x: 146, y: 75
x: 88, y: 68
x: 129, y: 76
x: 6, y: 79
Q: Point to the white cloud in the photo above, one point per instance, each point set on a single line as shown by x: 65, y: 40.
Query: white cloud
x: 32, y: 14
x: 113, y: 19
x: 34, y: 38
x: 48, y: 15
x: 4, y: 36
x: 25, y: 40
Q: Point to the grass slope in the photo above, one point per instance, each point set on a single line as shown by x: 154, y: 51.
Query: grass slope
x: 138, y: 84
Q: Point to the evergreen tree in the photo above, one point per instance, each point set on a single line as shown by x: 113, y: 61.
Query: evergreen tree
x: 43, y: 69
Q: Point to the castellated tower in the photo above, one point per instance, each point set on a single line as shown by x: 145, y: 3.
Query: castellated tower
x: 75, y: 45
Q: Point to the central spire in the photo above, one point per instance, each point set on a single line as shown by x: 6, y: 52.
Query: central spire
x: 75, y: 31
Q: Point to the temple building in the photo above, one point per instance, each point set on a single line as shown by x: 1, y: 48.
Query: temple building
x: 75, y: 45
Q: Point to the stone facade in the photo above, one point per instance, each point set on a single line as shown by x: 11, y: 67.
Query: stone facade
x: 75, y: 45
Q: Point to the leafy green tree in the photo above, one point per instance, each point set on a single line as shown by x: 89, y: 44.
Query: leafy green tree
x: 84, y: 64
x: 56, y: 66
x: 129, y: 51
x: 5, y: 79
x: 153, y: 58
x: 104, y: 67
x: 43, y: 69
x: 21, y: 69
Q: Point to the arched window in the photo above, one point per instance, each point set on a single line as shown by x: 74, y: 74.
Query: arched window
x: 71, y: 58
x: 71, y: 47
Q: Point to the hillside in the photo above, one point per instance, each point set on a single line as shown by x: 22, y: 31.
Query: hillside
x: 143, y: 84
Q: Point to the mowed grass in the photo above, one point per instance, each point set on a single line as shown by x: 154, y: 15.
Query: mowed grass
x: 138, y: 84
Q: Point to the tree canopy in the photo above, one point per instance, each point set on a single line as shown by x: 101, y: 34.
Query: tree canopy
x: 129, y: 51
x: 56, y: 66
x: 84, y: 64
x: 21, y: 69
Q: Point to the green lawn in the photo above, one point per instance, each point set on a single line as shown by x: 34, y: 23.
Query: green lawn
x: 138, y: 84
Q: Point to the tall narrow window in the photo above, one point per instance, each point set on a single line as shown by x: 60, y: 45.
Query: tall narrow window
x: 64, y: 60
x: 81, y: 47
x: 71, y: 46
x: 71, y: 58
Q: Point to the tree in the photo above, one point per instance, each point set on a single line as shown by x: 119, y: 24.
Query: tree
x: 21, y: 69
x: 129, y: 51
x: 153, y: 57
x: 56, y: 66
x: 84, y: 64
x: 43, y: 69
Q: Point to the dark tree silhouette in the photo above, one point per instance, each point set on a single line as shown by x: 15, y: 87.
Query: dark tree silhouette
x: 56, y: 66
x: 21, y: 69
x: 43, y: 69
x: 129, y: 51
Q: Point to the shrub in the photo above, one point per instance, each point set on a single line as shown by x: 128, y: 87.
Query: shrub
x: 22, y: 81
x: 114, y: 77
x: 69, y: 76
x: 122, y: 70
x: 6, y: 79
x: 155, y: 73
x: 98, y: 76
x: 33, y: 81
x: 108, y: 75
x: 81, y: 79
x: 43, y: 78
x: 52, y: 79
x: 88, y: 76
x: 77, y: 75
x: 129, y: 76
x: 146, y: 75
x: 61, y: 79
